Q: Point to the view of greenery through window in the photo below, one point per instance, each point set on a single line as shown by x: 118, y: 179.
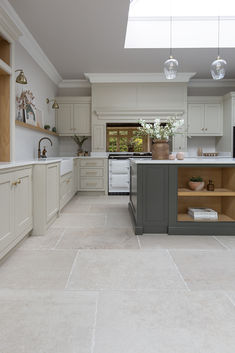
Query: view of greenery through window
x: 124, y: 140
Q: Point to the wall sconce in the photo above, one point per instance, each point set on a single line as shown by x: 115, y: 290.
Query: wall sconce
x: 21, y: 79
x: 55, y: 105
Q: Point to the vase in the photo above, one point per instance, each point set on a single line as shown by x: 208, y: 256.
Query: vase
x: 160, y: 149
x: 196, y: 185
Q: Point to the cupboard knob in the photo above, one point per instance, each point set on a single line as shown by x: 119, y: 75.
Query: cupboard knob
x: 18, y: 181
x: 202, y: 128
x: 206, y: 129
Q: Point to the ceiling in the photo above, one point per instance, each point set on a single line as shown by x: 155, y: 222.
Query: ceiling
x: 88, y: 36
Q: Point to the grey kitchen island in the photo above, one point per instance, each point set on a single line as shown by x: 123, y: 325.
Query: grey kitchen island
x: 160, y: 197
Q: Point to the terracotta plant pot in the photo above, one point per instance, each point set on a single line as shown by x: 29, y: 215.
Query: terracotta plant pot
x: 196, y: 185
x: 160, y: 149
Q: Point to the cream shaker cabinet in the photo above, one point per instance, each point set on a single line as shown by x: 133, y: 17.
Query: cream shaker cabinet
x: 15, y: 207
x: 45, y: 196
x: 73, y: 116
x: 205, y: 119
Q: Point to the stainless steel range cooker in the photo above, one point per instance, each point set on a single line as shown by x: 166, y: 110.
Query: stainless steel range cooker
x: 119, y: 171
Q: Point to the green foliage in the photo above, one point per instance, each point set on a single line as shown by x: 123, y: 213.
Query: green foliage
x: 79, y: 140
x: 196, y: 179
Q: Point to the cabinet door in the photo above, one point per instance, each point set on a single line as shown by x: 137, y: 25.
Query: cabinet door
x: 6, y: 210
x: 52, y: 191
x: 196, y: 114
x: 64, y: 119
x: 82, y: 119
x: 213, y: 119
x: 98, y: 138
x: 23, y: 201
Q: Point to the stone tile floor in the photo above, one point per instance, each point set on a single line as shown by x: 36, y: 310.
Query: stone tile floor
x: 91, y: 286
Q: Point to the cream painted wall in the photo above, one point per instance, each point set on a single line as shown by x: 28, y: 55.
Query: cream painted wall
x: 68, y: 148
x: 74, y: 92
x: 26, y: 141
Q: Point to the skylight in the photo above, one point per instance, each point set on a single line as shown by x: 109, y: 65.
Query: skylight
x: 195, y: 25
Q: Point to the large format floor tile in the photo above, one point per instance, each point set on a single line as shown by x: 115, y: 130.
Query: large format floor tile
x: 227, y: 240
x: 164, y: 322
x: 80, y: 220
x: 47, y: 322
x: 128, y: 269
x: 98, y: 238
x: 38, y: 269
x: 164, y: 241
x: 206, y: 270
x: 46, y: 241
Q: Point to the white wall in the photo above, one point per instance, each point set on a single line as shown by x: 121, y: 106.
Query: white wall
x: 67, y: 147
x: 26, y: 141
x: 207, y: 143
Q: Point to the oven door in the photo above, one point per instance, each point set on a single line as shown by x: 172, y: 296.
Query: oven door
x: 119, y: 176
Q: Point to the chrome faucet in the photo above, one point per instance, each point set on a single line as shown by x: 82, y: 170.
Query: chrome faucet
x: 39, y: 145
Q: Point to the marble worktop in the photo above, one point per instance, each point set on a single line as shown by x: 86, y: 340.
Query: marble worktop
x: 196, y: 160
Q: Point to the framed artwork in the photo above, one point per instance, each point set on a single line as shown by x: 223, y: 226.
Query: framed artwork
x: 30, y: 115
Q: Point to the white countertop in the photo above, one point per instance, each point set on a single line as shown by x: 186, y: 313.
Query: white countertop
x: 7, y: 165
x: 196, y: 160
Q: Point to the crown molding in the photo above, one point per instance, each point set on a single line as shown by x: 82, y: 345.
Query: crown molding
x: 31, y: 45
x: 182, y: 77
x: 74, y: 84
x: 8, y: 27
x: 211, y: 83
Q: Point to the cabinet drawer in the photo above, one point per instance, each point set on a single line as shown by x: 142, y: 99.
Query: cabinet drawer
x: 92, y: 183
x: 92, y: 163
x: 92, y: 172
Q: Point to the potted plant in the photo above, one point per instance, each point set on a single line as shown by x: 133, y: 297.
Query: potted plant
x: 160, y: 134
x: 196, y: 183
x: 79, y: 141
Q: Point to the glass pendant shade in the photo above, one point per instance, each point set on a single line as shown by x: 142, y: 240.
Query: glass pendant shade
x: 218, y: 68
x: 170, y: 68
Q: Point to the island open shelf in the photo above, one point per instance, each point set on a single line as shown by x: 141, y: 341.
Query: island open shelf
x: 221, y: 200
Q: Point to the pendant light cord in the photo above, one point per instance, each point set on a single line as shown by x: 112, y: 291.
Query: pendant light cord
x: 218, y: 34
x: 171, y: 36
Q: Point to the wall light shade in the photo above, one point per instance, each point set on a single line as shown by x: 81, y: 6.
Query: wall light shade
x: 171, y: 68
x: 55, y: 105
x: 21, y: 79
x: 218, y: 69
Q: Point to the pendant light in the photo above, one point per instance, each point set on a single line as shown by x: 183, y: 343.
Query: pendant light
x: 218, y: 67
x: 171, y: 64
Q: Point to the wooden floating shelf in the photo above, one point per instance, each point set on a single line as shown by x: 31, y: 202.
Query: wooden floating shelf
x: 4, y: 68
x: 36, y: 128
x: 217, y: 192
x: 184, y: 217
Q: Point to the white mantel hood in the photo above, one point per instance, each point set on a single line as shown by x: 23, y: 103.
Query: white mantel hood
x: 137, y: 77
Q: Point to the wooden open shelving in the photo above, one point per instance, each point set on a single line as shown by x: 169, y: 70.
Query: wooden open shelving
x: 5, y: 78
x: 184, y: 192
x: 184, y: 217
x: 36, y: 128
x: 221, y: 200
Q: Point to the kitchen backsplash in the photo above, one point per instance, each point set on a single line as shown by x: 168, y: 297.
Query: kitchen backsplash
x: 67, y: 147
x: 208, y: 144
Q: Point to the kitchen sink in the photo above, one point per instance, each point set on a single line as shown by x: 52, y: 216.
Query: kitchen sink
x: 66, y: 165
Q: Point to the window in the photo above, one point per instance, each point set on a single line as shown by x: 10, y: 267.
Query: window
x: 125, y: 139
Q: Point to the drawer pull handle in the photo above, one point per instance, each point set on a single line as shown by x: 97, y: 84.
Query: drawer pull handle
x: 16, y: 182
x: 91, y: 173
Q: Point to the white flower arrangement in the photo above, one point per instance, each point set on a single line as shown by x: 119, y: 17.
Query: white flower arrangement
x: 158, y: 132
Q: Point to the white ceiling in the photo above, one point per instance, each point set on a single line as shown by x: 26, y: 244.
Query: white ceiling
x: 88, y: 36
